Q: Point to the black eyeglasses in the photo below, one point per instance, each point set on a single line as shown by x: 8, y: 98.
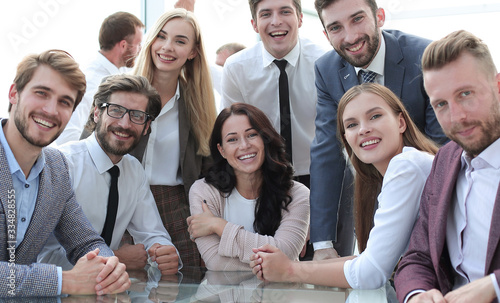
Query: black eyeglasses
x: 117, y: 111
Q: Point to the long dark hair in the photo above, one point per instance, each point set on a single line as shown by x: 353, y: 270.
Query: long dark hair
x: 368, y: 180
x: 277, y: 171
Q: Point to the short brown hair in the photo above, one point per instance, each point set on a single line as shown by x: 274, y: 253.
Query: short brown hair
x: 117, y: 27
x: 446, y: 50
x: 60, y: 61
x: 254, y: 3
x: 320, y: 5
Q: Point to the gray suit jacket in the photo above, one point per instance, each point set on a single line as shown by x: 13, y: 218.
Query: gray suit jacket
x: 334, y: 76
x: 57, y: 211
x: 426, y: 264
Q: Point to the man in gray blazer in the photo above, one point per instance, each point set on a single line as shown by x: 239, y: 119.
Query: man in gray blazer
x: 387, y: 57
x: 454, y: 251
x: 36, y: 198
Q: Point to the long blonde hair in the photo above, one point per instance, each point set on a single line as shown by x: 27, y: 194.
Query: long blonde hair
x: 368, y: 180
x: 195, y: 80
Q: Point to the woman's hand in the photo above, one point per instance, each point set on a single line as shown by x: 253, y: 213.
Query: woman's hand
x: 270, y: 264
x: 205, y: 224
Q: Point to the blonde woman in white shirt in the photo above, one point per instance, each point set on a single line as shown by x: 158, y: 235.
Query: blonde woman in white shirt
x: 390, y: 156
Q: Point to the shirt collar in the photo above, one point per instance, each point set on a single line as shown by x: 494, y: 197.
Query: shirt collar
x: 101, y: 160
x: 11, y: 160
x: 489, y: 155
x: 292, y: 57
x: 171, y: 103
x: 377, y: 64
x: 108, y: 65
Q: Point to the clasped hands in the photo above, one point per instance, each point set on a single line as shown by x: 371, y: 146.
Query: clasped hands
x: 135, y: 257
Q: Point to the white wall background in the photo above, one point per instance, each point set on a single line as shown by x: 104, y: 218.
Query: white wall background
x: 31, y: 26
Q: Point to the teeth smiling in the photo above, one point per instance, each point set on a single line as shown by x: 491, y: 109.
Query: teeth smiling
x: 164, y: 57
x: 43, y: 122
x: 121, y: 134
x: 356, y: 48
x: 247, y: 156
x: 366, y: 143
x: 278, y: 34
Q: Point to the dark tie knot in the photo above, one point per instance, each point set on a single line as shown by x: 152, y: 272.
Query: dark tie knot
x: 114, y: 171
x: 367, y: 76
x: 281, y: 64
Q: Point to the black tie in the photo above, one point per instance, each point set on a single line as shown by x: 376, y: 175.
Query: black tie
x: 285, y: 120
x: 109, y: 224
x: 367, y: 76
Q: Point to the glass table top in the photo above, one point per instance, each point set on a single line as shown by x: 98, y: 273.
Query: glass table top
x: 194, y: 284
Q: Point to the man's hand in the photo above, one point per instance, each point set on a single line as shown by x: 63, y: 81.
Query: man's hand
x: 325, y: 253
x: 187, y: 4
x: 113, y: 278
x: 479, y: 291
x: 166, y: 257
x: 430, y: 296
x: 133, y: 256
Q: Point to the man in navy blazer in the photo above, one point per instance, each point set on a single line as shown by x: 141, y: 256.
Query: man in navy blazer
x: 36, y: 197
x: 454, y: 250
x: 354, y: 30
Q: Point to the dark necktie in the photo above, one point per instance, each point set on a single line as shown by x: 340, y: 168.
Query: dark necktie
x: 109, y: 224
x: 285, y: 120
x: 367, y: 76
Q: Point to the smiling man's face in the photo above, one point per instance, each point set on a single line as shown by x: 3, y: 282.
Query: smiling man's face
x: 278, y: 24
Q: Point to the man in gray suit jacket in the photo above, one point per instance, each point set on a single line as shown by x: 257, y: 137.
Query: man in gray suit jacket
x: 36, y: 198
x: 454, y: 251
x: 390, y: 58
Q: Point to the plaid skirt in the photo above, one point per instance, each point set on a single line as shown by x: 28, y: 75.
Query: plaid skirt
x: 173, y: 207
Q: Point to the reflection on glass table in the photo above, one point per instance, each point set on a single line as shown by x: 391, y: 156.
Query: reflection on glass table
x: 196, y: 284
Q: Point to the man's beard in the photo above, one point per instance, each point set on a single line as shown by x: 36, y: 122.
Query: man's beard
x: 490, y: 132
x: 119, y: 148
x: 361, y: 61
x: 22, y: 126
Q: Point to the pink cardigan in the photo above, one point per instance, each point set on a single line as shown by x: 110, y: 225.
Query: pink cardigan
x: 232, y: 251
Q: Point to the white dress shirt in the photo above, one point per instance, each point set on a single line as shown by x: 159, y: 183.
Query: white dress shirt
x: 137, y: 211
x: 250, y: 76
x: 398, y: 205
x: 469, y: 217
x: 97, y: 70
x: 161, y: 159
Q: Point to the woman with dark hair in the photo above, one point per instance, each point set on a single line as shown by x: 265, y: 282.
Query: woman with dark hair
x: 248, y: 198
x: 391, y: 157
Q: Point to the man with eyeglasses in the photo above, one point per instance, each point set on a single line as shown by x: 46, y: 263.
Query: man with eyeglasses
x: 125, y: 105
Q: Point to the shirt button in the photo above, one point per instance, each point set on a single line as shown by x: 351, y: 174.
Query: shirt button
x: 26, y: 185
x: 23, y: 219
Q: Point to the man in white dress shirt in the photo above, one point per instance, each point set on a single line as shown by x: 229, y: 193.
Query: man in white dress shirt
x: 250, y: 76
x: 120, y: 40
x: 124, y: 107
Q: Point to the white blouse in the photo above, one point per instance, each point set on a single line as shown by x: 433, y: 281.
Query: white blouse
x: 398, y: 205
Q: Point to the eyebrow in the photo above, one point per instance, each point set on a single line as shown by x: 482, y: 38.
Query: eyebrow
x: 350, y: 17
x: 177, y: 36
x: 234, y: 133
x: 281, y: 8
x: 43, y: 87
x: 366, y: 113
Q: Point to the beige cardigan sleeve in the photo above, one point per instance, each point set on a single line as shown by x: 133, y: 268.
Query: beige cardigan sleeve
x: 232, y: 251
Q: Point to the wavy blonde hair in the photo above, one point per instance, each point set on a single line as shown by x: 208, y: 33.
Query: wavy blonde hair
x: 195, y: 80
